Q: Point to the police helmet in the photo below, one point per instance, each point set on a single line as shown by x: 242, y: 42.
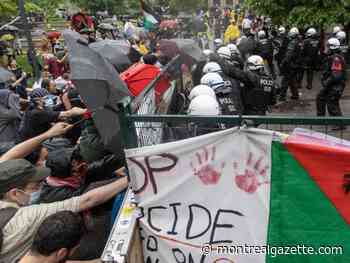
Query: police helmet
x: 341, y: 35
x: 204, y: 105
x: 211, y: 67
x: 293, y: 32
x: 234, y: 49
x: 336, y: 29
x: 213, y: 80
x: 201, y: 90
x: 255, y: 63
x: 311, y: 32
x: 333, y: 44
x: 224, y: 52
x: 282, y: 30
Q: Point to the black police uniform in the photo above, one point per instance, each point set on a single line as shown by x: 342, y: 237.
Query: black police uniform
x: 264, y: 48
x: 229, y: 97
x: 311, y: 56
x: 333, y: 84
x: 344, y: 48
x: 290, y: 67
x: 280, y: 45
x: 259, y: 92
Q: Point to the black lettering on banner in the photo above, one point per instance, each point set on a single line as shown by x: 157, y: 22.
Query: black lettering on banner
x: 217, y: 225
x: 149, y: 260
x: 174, y: 205
x: 179, y: 255
x: 145, y: 182
x: 152, y: 244
x: 190, y: 221
x: 149, y: 219
x: 152, y: 170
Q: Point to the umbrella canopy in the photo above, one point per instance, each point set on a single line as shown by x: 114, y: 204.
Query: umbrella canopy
x: 5, y: 75
x: 10, y: 28
x: 115, y: 51
x: 100, y: 87
x: 172, y: 24
x: 54, y: 34
x: 105, y: 26
x: 187, y: 48
x: 7, y: 37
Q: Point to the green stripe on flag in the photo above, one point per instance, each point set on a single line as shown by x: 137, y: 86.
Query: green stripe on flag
x: 300, y: 214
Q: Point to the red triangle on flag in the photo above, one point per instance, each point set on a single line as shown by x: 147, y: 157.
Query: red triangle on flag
x: 329, y: 167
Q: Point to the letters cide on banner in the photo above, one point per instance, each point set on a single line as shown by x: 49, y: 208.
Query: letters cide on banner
x: 212, y: 189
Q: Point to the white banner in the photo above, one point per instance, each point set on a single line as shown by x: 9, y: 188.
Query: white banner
x: 213, y: 189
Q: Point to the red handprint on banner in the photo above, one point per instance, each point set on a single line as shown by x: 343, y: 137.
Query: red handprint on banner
x: 255, y: 174
x: 205, y: 171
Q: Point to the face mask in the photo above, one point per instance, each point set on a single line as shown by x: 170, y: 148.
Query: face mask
x: 34, y: 197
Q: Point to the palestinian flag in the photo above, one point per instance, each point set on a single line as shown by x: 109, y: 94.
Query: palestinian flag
x: 310, y: 204
x: 276, y: 199
x: 151, y: 18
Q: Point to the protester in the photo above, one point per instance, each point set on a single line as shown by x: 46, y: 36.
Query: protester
x: 37, y: 119
x: 10, y: 117
x: 19, y: 186
x: 56, y: 239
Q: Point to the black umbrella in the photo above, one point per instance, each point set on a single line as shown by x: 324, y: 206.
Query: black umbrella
x: 190, y: 48
x: 10, y: 28
x: 115, y: 51
x: 5, y: 75
x: 100, y: 87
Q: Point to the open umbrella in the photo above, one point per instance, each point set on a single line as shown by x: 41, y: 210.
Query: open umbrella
x: 105, y: 26
x: 115, y: 51
x: 10, y: 28
x: 5, y: 75
x: 188, y: 49
x: 100, y: 87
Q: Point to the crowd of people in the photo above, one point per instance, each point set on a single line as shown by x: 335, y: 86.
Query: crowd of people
x: 57, y: 180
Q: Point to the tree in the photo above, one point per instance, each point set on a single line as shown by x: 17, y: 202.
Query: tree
x: 112, y: 6
x: 9, y: 8
x: 303, y: 12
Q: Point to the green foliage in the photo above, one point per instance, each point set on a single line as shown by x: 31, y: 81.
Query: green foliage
x: 187, y: 5
x: 9, y: 8
x: 303, y: 12
x: 113, y: 6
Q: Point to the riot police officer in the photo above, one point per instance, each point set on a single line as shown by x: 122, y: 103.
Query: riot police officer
x: 236, y: 57
x: 259, y: 91
x: 344, y: 48
x: 280, y: 44
x: 333, y: 81
x: 264, y: 48
x: 290, y: 66
x: 311, y: 54
x: 227, y: 92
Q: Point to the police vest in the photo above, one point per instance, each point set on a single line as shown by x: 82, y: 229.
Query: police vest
x: 224, y: 97
x: 262, y: 94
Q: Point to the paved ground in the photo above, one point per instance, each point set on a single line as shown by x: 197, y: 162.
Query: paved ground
x: 307, y: 107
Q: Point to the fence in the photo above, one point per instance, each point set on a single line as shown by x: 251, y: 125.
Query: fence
x: 125, y: 245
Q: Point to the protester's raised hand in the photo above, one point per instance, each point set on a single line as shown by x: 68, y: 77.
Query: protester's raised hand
x: 77, y: 111
x: 58, y: 129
